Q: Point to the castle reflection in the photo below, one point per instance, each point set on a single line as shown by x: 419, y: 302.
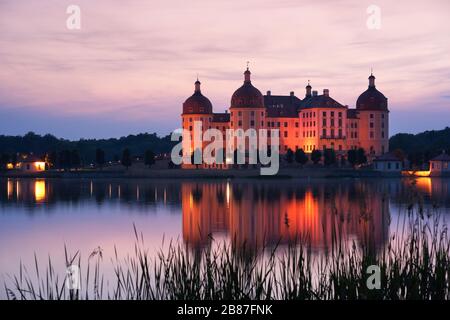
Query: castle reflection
x: 269, y: 214
x: 265, y: 212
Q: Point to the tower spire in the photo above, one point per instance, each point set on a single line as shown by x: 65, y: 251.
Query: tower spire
x: 197, y: 85
x: 247, y: 73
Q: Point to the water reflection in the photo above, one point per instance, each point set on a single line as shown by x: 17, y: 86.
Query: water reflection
x: 269, y: 214
x: 254, y: 212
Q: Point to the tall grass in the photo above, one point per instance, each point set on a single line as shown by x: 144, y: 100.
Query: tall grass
x: 414, y: 264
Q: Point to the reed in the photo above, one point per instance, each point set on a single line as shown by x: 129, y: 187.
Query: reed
x: 414, y: 264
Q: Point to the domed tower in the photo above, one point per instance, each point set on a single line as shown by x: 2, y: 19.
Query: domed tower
x: 247, y: 106
x: 197, y: 108
x: 372, y: 107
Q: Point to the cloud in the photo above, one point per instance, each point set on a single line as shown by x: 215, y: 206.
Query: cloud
x: 144, y: 55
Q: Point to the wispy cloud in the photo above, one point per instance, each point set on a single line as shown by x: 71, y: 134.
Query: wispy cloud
x: 140, y: 58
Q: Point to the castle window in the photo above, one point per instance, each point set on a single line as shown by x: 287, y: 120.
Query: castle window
x: 252, y: 113
x: 340, y: 114
x: 382, y: 116
x: 239, y: 113
x: 231, y: 113
x: 278, y: 124
x: 285, y: 134
x: 382, y: 134
x: 252, y: 123
x: 296, y: 134
x: 296, y: 124
x: 340, y: 122
x: 332, y: 122
x: 262, y: 123
x: 262, y: 113
x: 285, y: 124
x: 340, y: 133
x: 332, y: 113
x: 371, y: 116
x: 324, y: 114
x: 371, y: 124
x: 239, y: 123
x: 324, y: 132
x: 324, y: 122
x: 371, y: 134
x: 332, y: 133
x: 190, y: 119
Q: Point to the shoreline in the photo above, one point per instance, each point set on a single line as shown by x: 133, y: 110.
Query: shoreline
x: 184, y: 174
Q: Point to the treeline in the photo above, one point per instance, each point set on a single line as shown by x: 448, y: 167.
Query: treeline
x: 84, y: 150
x: 420, y: 148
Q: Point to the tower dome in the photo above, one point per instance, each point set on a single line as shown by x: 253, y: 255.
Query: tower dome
x: 372, y: 99
x: 247, y: 96
x: 197, y: 103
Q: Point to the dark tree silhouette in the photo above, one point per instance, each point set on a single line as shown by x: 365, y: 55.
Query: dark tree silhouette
x: 149, y: 158
x: 100, y: 157
x: 289, y: 156
x: 352, y: 157
x: 329, y: 157
x: 316, y: 155
x: 75, y: 160
x: 301, y: 157
x: 126, y: 158
x: 4, y: 159
x: 361, y: 156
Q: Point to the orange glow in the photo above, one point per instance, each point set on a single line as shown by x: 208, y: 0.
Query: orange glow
x: 10, y: 189
x: 417, y: 173
x: 39, y: 165
x: 39, y: 190
x: 424, y: 184
x: 9, y: 166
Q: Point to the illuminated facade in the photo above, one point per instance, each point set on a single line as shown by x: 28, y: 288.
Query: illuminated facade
x: 315, y: 122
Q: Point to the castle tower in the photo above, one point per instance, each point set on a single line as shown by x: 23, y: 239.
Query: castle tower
x: 247, y: 107
x: 197, y: 108
x: 372, y: 107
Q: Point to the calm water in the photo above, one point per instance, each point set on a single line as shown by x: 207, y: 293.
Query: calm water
x: 41, y: 216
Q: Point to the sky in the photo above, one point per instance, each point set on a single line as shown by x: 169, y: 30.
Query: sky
x: 131, y: 65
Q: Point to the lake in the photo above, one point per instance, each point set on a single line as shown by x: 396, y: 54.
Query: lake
x: 39, y: 217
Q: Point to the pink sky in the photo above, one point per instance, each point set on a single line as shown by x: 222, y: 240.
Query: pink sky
x: 133, y: 63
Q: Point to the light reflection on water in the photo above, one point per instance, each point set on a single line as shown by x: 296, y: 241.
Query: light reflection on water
x: 41, y: 216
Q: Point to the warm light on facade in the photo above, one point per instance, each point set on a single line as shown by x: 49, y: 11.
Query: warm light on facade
x: 39, y: 190
x: 39, y: 165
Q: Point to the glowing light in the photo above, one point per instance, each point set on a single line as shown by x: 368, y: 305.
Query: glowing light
x: 228, y: 194
x: 39, y: 190
x: 9, y: 166
x: 417, y: 173
x: 10, y: 189
x: 39, y: 166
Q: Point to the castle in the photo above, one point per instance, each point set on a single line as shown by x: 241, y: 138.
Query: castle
x: 316, y: 121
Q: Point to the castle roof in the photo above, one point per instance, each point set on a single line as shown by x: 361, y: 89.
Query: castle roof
x: 282, y: 106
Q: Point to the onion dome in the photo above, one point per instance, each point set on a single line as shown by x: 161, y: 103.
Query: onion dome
x: 372, y: 99
x: 247, y: 96
x: 197, y: 103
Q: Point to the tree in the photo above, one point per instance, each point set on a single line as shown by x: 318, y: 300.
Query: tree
x: 149, y: 158
x: 75, y: 160
x: 329, y: 157
x: 301, y: 157
x: 52, y: 159
x: 64, y: 159
x: 361, y: 156
x: 100, y: 157
x: 316, y: 155
x: 4, y: 160
x: 352, y: 157
x: 126, y: 158
x: 289, y: 156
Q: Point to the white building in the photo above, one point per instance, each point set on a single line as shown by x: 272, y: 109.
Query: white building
x: 387, y: 162
x: 440, y: 165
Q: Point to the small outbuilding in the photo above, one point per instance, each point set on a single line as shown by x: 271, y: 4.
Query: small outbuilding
x: 440, y: 165
x: 387, y: 162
